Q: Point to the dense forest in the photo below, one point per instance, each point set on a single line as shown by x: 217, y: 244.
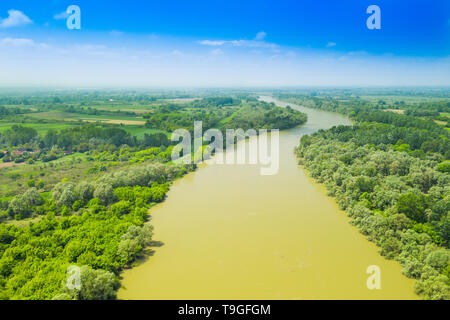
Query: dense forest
x: 221, y: 113
x: 97, y: 225
x: 391, y: 173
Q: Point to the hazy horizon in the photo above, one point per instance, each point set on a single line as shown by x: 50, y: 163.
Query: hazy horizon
x: 214, y: 44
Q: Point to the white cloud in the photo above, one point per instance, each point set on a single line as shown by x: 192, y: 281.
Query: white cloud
x: 176, y: 53
x: 21, y: 43
x: 216, y: 52
x: 358, y: 53
x: 15, y: 18
x: 94, y: 50
x: 291, y: 54
x: 253, y: 44
x: 16, y: 42
x: 61, y: 16
x: 212, y: 42
x: 116, y: 33
x: 260, y: 36
x: 355, y: 55
x: 240, y: 43
x: 331, y: 44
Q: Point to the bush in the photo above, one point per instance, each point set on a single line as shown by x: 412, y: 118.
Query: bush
x: 444, y: 167
x: 121, y: 208
x: 95, y: 285
x: 438, y: 259
x: 413, y: 206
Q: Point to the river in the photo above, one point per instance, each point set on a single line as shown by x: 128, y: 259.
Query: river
x: 230, y: 233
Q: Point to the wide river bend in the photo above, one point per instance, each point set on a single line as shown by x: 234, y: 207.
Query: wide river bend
x: 230, y: 233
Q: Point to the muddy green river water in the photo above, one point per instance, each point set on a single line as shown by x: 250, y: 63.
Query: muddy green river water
x: 230, y: 233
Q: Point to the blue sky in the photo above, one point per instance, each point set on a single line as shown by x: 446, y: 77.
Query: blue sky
x: 224, y: 43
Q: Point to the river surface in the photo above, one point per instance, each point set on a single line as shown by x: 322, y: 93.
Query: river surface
x: 230, y: 233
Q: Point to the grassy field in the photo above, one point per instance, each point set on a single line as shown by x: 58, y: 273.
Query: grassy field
x: 41, y: 128
x: 139, y: 131
x: 137, y: 128
x: 228, y: 119
x: 14, y: 177
x: 64, y: 116
x: 391, y: 99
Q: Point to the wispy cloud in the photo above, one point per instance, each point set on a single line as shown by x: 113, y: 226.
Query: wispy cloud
x: 331, y: 44
x: 216, y: 52
x: 15, y: 18
x: 258, y: 42
x: 116, y: 33
x: 16, y: 42
x: 291, y: 54
x: 260, y: 36
x: 177, y: 53
x: 355, y: 55
x: 253, y: 44
x: 213, y: 43
x: 61, y: 16
x: 239, y: 43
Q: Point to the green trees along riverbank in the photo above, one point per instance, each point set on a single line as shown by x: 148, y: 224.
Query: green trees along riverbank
x: 391, y: 174
x: 96, y: 225
x: 81, y: 197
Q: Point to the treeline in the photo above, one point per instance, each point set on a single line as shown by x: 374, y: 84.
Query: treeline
x: 399, y: 120
x: 85, y: 97
x: 428, y: 109
x: 421, y: 135
x: 98, y: 226
x: 75, y: 137
x: 7, y: 111
x: 224, y: 113
x: 215, y: 102
x: 415, y: 141
x: 171, y: 116
x: 350, y: 104
x: 88, y: 110
x: 81, y: 138
x: 257, y: 115
x: 17, y: 135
